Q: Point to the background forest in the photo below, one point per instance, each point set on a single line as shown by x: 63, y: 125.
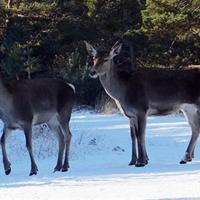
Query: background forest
x: 44, y: 38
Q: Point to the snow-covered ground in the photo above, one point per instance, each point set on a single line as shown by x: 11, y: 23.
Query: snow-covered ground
x: 99, y: 157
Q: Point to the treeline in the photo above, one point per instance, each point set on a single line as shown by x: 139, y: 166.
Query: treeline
x: 45, y: 37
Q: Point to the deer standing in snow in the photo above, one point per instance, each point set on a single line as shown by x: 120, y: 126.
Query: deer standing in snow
x: 26, y: 103
x: 148, y: 91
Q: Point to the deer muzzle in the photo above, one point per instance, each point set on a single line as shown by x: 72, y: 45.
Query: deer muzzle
x: 93, y: 74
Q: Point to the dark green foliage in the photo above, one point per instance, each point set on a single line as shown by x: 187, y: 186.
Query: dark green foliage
x: 45, y: 37
x: 173, y: 31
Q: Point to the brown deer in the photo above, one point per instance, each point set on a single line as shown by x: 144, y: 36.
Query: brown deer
x: 148, y: 91
x: 26, y: 103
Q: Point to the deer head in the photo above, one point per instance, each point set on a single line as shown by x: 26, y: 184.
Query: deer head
x: 102, y: 62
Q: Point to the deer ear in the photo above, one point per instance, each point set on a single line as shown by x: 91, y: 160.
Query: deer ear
x: 115, y: 50
x: 91, y: 50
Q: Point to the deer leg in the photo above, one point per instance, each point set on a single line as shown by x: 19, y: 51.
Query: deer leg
x: 190, y: 149
x: 193, y: 153
x: 61, y: 142
x: 56, y: 127
x: 193, y: 117
x: 134, y: 151
x: 28, y: 137
x: 6, y: 162
x: 67, y: 148
x: 140, y: 134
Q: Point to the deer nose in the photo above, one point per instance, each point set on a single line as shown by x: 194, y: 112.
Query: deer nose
x: 93, y: 74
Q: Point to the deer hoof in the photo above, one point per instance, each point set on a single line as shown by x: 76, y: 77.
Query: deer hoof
x: 7, y: 171
x: 140, y: 164
x: 64, y: 169
x: 33, y: 173
x: 57, y: 169
x: 186, y: 159
x: 183, y: 162
x: 132, y: 163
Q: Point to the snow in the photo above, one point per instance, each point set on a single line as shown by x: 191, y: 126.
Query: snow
x: 99, y: 157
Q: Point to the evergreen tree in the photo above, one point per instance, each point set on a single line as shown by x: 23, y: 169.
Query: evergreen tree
x: 173, y: 31
x: 47, y: 36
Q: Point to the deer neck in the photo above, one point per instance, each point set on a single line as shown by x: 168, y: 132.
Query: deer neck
x: 112, y: 85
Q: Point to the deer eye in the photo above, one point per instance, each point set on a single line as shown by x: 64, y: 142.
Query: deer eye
x: 105, y: 59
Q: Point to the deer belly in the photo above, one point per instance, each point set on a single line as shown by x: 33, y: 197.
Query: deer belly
x: 162, y: 110
x: 42, y: 118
